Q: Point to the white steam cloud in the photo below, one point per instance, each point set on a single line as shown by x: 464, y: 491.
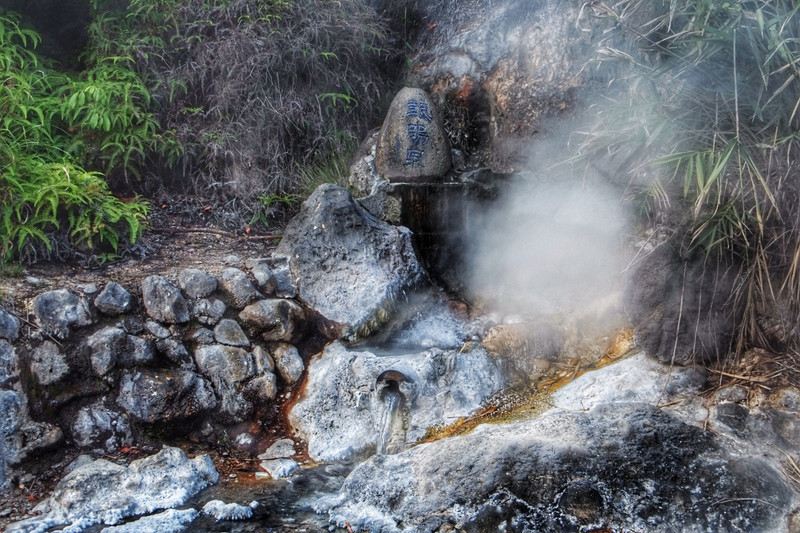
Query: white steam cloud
x: 550, y: 246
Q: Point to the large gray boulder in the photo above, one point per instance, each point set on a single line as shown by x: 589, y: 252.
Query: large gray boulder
x: 412, y: 145
x: 165, y: 395
x: 229, y: 332
x: 208, y: 311
x: 625, y: 467
x: 20, y: 436
x: 341, y: 409
x: 163, y: 301
x: 59, y: 310
x: 348, y: 265
x: 9, y: 325
x: 103, y: 492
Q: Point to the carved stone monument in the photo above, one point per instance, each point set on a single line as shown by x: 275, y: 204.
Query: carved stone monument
x: 412, y: 146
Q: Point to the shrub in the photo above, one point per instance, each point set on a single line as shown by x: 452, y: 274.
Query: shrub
x: 43, y: 189
x: 706, y: 121
x: 253, y: 90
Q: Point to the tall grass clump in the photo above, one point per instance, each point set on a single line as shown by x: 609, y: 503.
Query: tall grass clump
x: 48, y: 191
x: 252, y: 91
x: 703, y: 120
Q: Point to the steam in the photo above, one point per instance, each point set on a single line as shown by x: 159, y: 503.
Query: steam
x: 550, y: 246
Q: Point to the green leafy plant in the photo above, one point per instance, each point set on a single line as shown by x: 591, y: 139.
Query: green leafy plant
x: 44, y: 190
x: 704, y: 113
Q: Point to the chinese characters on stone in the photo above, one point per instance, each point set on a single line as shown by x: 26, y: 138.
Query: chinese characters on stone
x: 417, y: 132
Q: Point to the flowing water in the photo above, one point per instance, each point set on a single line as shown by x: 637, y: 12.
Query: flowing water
x: 391, y: 406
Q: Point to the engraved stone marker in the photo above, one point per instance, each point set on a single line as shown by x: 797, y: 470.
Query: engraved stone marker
x: 412, y: 146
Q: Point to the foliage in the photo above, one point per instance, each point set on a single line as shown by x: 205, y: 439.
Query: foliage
x: 108, y: 111
x: 42, y: 187
x: 706, y: 113
x: 253, y: 90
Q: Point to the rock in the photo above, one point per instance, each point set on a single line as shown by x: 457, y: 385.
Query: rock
x: 8, y: 363
x: 504, y: 69
x: 273, y: 319
x: 113, y: 300
x: 731, y: 393
x: 412, y: 145
x: 229, y: 511
x: 349, y: 266
x: 163, y: 301
x: 20, y: 436
x: 156, y: 330
x: 625, y: 466
x: 102, y: 492
x: 263, y: 274
x: 59, y: 310
x: 201, y: 336
x: 176, y: 352
x: 228, y: 368
x: 196, y: 283
x: 383, y: 205
x: 111, y: 346
x: 208, y: 311
x: 279, y: 449
x: 263, y: 388
x: 245, y: 442
x: 48, y: 364
x: 9, y: 325
x: 169, y: 521
x: 131, y: 324
x: 165, y: 395
x: 137, y: 351
x: 364, y: 175
x: 229, y: 332
x: 637, y: 379
x: 88, y: 288
x: 284, y: 283
x: 526, y: 347
x: 263, y: 360
x: 238, y: 288
x: 103, y: 347
x: 10, y: 423
x: 98, y: 427
x: 340, y: 410
x: 279, y: 468
x: 666, y: 289
x: 288, y: 362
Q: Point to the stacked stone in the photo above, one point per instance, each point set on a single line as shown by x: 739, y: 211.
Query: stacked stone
x: 197, y: 348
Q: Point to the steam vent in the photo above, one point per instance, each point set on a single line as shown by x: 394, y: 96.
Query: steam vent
x: 412, y: 146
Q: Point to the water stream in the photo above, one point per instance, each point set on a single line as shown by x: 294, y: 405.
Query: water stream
x: 391, y: 406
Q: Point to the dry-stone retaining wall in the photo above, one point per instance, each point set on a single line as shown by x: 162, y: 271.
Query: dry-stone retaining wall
x: 106, y: 369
